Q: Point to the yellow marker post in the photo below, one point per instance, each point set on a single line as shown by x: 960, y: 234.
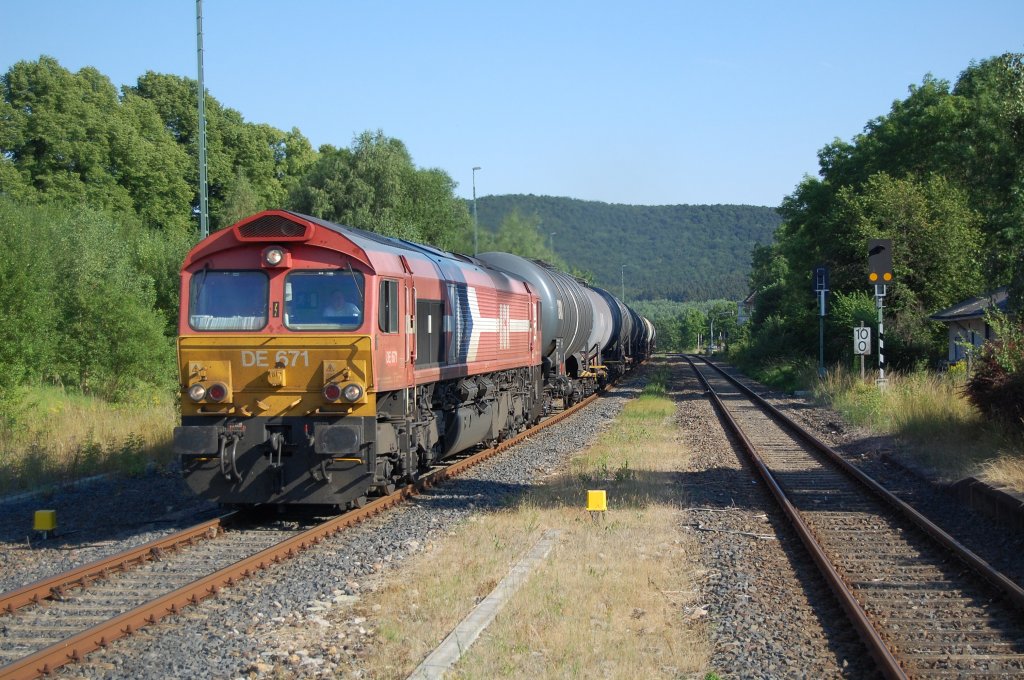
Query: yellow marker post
x: 597, y: 501
x: 45, y: 521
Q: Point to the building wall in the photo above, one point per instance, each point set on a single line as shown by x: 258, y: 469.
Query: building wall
x: 965, y: 334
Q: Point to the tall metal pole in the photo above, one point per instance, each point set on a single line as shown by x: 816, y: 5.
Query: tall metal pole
x: 622, y: 274
x: 879, y: 302
x: 551, y: 241
x: 821, y: 333
x: 204, y: 208
x: 476, y: 225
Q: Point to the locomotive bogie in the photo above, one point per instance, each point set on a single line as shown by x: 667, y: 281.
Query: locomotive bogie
x: 281, y: 460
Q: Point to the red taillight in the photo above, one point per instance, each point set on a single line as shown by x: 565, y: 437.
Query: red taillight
x: 332, y: 392
x: 217, y: 392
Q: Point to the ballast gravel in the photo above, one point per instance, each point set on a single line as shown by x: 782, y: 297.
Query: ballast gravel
x: 882, y: 458
x: 767, y: 612
x: 769, y: 615
x: 276, y: 624
x: 95, y: 519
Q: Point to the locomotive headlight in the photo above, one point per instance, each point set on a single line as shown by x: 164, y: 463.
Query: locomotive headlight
x: 197, y: 392
x: 331, y: 392
x: 352, y: 392
x: 273, y: 256
x: 217, y: 392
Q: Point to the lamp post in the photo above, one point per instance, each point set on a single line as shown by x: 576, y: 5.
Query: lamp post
x: 622, y: 276
x: 551, y: 241
x: 476, y: 226
x: 204, y: 209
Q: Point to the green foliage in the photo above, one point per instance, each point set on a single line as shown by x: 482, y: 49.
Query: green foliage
x: 679, y: 325
x: 521, y: 235
x: 75, y: 308
x: 70, y: 138
x: 375, y: 186
x: 997, y: 385
x: 682, y: 252
x: 28, y: 279
x: 847, y: 311
x: 110, y: 336
x: 90, y: 284
x: 250, y: 167
x: 940, y: 176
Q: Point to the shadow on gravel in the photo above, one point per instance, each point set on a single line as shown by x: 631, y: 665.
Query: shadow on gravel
x: 107, y: 509
x: 462, y: 494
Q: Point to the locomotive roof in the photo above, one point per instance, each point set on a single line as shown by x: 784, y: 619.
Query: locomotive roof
x: 267, y: 227
x: 356, y: 235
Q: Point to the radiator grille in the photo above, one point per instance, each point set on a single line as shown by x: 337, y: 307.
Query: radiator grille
x: 272, y: 227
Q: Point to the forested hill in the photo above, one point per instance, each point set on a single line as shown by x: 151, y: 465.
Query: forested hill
x: 678, y: 252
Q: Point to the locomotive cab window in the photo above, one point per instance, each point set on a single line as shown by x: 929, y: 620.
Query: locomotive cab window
x: 323, y: 300
x: 388, y: 314
x: 228, y: 300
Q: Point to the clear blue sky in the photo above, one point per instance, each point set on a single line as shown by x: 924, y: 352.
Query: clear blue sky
x: 640, y: 102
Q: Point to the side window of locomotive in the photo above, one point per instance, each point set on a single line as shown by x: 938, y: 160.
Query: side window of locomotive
x: 324, y: 300
x: 387, y: 317
x: 228, y: 300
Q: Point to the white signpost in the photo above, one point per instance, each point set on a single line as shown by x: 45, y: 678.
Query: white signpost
x: 862, y: 344
x: 862, y: 340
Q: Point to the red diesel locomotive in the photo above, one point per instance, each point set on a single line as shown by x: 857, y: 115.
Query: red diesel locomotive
x: 320, y: 364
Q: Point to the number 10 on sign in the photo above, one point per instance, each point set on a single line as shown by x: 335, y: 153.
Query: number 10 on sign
x: 862, y: 340
x: 862, y: 345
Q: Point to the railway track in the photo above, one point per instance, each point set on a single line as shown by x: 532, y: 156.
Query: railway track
x: 923, y: 604
x: 61, y: 619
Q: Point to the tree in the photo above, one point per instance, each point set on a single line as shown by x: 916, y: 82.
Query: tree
x: 520, y: 234
x: 60, y: 127
x: 71, y: 139
x: 375, y: 186
x: 992, y: 162
x: 248, y: 165
x: 109, y: 333
x: 941, y: 175
x: 240, y: 200
x: 27, y: 282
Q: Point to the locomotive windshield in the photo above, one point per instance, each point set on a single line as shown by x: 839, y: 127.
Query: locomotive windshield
x: 323, y: 300
x: 228, y: 300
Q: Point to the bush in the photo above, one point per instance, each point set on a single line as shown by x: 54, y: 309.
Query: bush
x: 79, y: 306
x: 997, y: 386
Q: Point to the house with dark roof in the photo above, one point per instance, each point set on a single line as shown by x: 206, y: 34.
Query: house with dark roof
x: 966, y: 322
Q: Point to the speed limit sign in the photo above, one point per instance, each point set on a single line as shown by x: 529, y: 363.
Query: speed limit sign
x: 862, y: 340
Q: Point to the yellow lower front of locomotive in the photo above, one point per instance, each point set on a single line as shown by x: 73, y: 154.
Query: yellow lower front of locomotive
x: 277, y: 419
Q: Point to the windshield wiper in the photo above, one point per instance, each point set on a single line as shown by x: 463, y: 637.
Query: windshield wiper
x: 352, y: 273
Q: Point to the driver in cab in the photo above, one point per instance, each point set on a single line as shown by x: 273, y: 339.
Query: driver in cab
x: 340, y: 309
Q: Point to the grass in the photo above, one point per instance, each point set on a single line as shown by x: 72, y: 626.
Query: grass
x: 785, y: 375
x: 1007, y: 470
x: 937, y: 427
x: 69, y: 436
x: 610, y: 599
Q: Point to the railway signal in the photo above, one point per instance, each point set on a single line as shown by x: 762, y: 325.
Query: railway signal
x: 880, y: 261
x: 880, y: 274
x: 821, y: 288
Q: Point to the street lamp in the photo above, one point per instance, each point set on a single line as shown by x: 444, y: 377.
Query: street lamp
x: 622, y: 275
x: 476, y: 226
x: 551, y: 241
